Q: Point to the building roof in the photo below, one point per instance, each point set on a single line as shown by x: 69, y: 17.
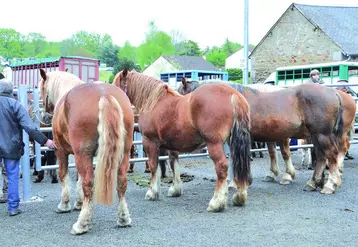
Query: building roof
x: 46, y: 60
x: 337, y: 22
x: 190, y: 63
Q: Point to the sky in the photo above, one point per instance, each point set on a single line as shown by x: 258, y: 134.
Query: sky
x: 207, y: 22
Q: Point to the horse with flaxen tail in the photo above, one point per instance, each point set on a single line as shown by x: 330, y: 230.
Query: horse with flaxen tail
x: 100, y: 124
x: 211, y: 115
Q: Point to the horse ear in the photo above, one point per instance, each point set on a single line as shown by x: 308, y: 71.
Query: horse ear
x: 184, y: 82
x: 43, y: 74
x: 66, y: 69
x: 125, y: 72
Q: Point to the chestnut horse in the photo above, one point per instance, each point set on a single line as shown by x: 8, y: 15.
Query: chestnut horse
x: 305, y: 111
x: 210, y: 115
x: 90, y: 120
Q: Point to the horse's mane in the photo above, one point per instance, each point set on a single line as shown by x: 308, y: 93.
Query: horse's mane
x: 146, y: 91
x: 58, y: 83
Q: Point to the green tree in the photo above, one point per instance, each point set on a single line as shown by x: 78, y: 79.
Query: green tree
x: 189, y: 48
x: 123, y: 63
x: 157, y: 43
x: 230, y: 47
x: 217, y: 56
x: 11, y: 43
x: 127, y: 51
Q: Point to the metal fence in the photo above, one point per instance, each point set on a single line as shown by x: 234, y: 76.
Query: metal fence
x: 25, y: 160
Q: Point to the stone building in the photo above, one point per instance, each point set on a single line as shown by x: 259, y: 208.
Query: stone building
x: 307, y: 34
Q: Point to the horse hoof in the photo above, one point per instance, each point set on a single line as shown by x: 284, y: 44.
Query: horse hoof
x: 77, y: 230
x: 286, y: 182
x: 309, y: 188
x: 61, y: 210
x: 239, y: 199
x: 130, y: 171
x: 232, y: 184
x: 151, y: 196
x: 174, y: 191
x: 124, y: 222
x: 54, y: 181
x: 327, y: 191
x: 215, y: 208
x: 77, y: 206
x: 146, y: 171
x: 269, y: 179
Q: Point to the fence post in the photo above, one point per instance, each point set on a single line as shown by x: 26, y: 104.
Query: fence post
x: 25, y: 159
x: 36, y: 103
x: 138, y: 137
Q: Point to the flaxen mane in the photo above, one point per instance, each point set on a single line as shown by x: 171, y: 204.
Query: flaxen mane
x: 58, y: 83
x: 146, y: 91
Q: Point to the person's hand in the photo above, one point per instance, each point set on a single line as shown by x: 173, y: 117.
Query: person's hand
x: 50, y: 144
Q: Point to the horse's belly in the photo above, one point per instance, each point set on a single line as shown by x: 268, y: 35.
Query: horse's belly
x: 181, y: 142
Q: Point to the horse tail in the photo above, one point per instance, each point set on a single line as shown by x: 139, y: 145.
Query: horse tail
x: 338, y: 128
x: 112, y: 133
x: 240, y: 141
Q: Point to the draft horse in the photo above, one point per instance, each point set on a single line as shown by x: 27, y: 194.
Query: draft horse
x: 210, y: 115
x: 90, y: 120
x: 305, y: 111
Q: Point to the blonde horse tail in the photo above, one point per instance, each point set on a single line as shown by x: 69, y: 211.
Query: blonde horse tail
x: 111, y: 140
x: 240, y: 141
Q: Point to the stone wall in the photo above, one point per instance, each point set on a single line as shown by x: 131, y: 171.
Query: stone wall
x: 294, y: 41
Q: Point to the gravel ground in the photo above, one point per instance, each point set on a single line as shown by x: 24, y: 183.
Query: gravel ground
x: 275, y: 215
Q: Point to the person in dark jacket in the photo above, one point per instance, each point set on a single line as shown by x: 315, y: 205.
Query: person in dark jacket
x: 14, y: 118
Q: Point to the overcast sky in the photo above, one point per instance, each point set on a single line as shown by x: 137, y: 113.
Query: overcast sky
x: 207, y: 22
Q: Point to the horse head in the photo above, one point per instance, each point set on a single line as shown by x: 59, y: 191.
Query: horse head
x: 120, y: 80
x: 187, y: 86
x: 48, y: 105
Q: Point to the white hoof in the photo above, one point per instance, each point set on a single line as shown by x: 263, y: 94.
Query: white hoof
x: 124, y: 221
x: 216, y: 205
x: 286, y: 179
x: 270, y: 177
x: 232, y: 184
x: 77, y: 229
x: 239, y: 198
x: 176, y: 190
x: 151, y: 195
x: 77, y: 206
x: 63, y: 208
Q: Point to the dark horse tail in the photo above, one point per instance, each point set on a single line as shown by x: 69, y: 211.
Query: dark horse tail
x: 240, y: 141
x: 338, y: 128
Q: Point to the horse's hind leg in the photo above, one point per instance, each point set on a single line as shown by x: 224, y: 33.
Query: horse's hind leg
x: 176, y: 189
x: 85, y: 170
x: 290, y: 172
x: 273, y: 173
x: 323, y: 147
x: 219, y: 201
x: 152, y: 153
x: 335, y: 156
x: 64, y: 205
x: 79, y: 195
x: 123, y: 217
